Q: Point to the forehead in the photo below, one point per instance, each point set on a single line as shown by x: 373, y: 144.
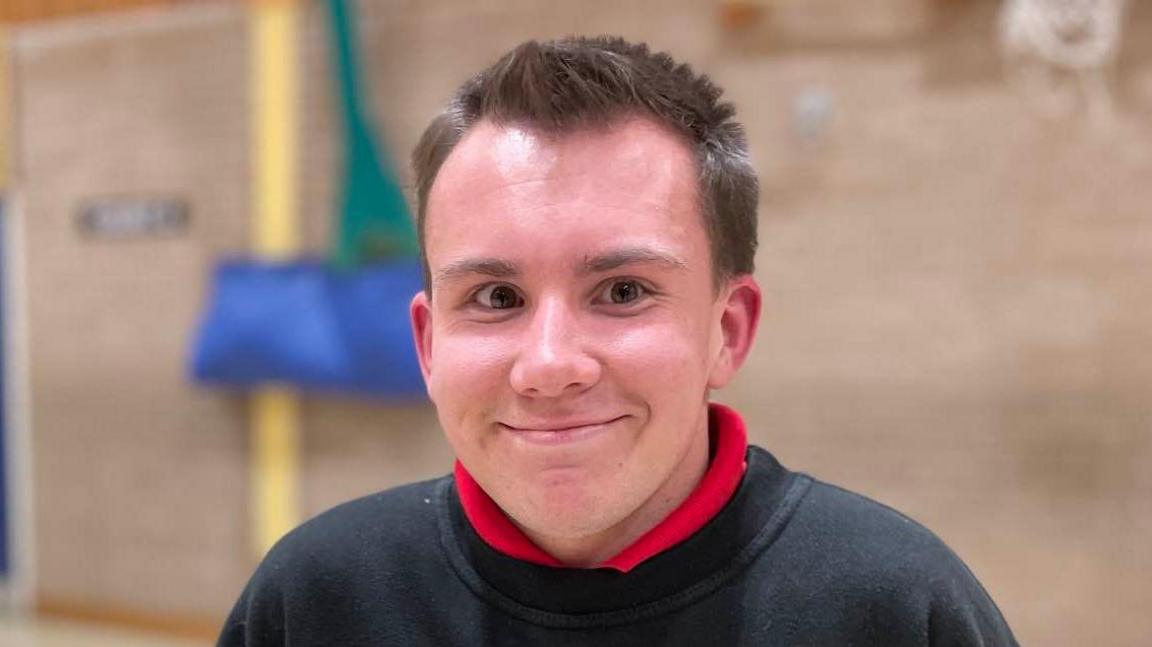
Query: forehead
x: 508, y: 190
x: 491, y: 154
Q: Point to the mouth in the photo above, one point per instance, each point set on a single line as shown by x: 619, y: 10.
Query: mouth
x: 560, y: 432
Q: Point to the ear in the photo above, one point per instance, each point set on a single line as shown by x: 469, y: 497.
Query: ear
x: 739, y: 318
x: 420, y: 312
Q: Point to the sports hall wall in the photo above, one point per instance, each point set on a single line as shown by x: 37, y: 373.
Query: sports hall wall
x: 956, y: 316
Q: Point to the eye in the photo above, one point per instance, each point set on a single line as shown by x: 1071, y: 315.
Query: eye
x: 498, y: 296
x: 623, y: 291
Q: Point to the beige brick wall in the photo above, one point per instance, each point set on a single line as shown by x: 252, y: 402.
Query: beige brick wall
x: 139, y: 482
x: 954, y: 316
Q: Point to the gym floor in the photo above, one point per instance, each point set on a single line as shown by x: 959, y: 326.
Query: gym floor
x: 59, y: 633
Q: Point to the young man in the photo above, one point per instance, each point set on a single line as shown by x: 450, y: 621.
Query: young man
x: 587, y: 213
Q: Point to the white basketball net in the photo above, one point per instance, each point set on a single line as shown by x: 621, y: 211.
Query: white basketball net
x: 1061, y: 51
x: 1075, y: 35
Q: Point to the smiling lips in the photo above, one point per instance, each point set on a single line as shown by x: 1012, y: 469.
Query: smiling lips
x: 560, y: 432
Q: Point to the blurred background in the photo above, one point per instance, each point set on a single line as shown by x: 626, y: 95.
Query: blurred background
x: 956, y: 254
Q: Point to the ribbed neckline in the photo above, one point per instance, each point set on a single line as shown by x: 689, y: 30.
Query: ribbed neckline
x: 582, y: 598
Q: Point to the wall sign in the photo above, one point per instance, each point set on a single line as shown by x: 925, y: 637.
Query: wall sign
x: 124, y: 217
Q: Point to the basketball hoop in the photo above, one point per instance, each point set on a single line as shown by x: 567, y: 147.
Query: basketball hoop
x: 1063, y: 50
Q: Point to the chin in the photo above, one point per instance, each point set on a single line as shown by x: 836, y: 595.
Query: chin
x: 565, y: 511
x: 566, y: 525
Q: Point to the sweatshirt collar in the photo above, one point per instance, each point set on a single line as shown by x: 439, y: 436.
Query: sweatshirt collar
x: 730, y: 443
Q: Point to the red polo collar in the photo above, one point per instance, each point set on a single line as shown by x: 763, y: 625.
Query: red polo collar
x: 730, y: 440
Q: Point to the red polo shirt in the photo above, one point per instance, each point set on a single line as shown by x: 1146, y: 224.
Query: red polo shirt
x: 729, y: 442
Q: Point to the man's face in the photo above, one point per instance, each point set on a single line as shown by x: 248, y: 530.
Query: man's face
x: 573, y: 331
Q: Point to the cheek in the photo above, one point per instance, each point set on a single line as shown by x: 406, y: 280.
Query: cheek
x: 467, y: 379
x: 465, y: 365
x: 668, y: 357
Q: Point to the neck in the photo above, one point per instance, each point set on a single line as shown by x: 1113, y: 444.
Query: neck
x: 594, y: 549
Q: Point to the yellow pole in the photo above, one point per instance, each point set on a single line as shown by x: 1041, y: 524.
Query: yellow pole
x: 275, y: 229
x: 5, y: 114
x: 275, y: 412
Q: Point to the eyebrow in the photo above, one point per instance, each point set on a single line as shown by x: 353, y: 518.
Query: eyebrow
x: 494, y: 267
x: 604, y: 262
x: 618, y: 258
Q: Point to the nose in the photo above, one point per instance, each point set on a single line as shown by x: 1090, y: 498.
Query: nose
x: 552, y: 360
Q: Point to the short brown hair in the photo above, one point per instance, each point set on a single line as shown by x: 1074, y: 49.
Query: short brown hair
x: 560, y: 86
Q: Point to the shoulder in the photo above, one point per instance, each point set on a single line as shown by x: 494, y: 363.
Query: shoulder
x: 351, y: 556
x: 873, y: 540
x: 831, y: 525
x: 388, y: 512
x: 372, y: 528
x: 877, y: 560
x: 873, y: 526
